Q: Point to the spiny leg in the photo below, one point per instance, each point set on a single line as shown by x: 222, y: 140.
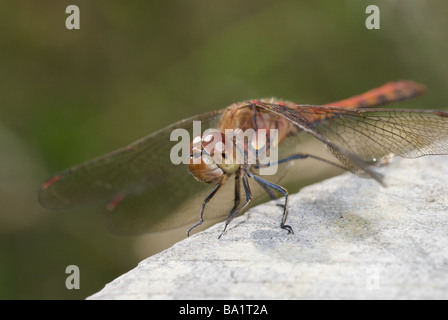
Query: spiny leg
x: 288, y: 159
x: 300, y: 156
x: 280, y: 189
x: 268, y: 186
x: 207, y: 199
x: 237, y: 197
x: 248, y: 200
x: 270, y: 193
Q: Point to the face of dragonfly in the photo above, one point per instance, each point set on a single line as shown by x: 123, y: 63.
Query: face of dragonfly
x: 212, y: 158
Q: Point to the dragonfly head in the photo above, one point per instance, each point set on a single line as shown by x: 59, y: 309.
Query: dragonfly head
x: 212, y: 157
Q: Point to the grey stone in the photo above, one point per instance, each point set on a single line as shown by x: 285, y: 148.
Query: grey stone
x: 354, y: 239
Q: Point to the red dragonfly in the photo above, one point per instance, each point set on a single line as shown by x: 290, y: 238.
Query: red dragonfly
x: 143, y: 191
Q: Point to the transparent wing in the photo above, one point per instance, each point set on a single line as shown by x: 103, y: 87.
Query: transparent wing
x: 139, y: 185
x: 142, y: 190
x: 372, y: 134
x: 360, y: 137
x: 298, y: 117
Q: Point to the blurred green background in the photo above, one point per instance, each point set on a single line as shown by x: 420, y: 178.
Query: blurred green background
x: 67, y: 96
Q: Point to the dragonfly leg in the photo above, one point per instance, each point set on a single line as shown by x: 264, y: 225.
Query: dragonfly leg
x: 204, y: 203
x: 280, y: 189
x: 300, y: 156
x: 233, y: 213
x: 270, y: 193
x: 237, y: 197
x: 269, y: 186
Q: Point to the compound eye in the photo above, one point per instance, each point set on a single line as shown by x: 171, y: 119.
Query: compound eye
x: 214, y: 143
x: 196, y: 147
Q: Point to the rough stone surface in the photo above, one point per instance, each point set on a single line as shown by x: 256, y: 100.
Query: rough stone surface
x: 354, y: 239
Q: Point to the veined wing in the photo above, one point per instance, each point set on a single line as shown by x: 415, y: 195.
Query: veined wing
x: 348, y: 159
x: 387, y: 93
x: 142, y: 190
x: 138, y: 184
x: 374, y: 133
x: 360, y: 137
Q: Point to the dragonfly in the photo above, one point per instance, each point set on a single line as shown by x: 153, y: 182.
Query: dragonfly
x: 142, y: 191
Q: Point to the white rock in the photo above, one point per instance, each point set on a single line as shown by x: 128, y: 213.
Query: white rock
x: 353, y: 239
